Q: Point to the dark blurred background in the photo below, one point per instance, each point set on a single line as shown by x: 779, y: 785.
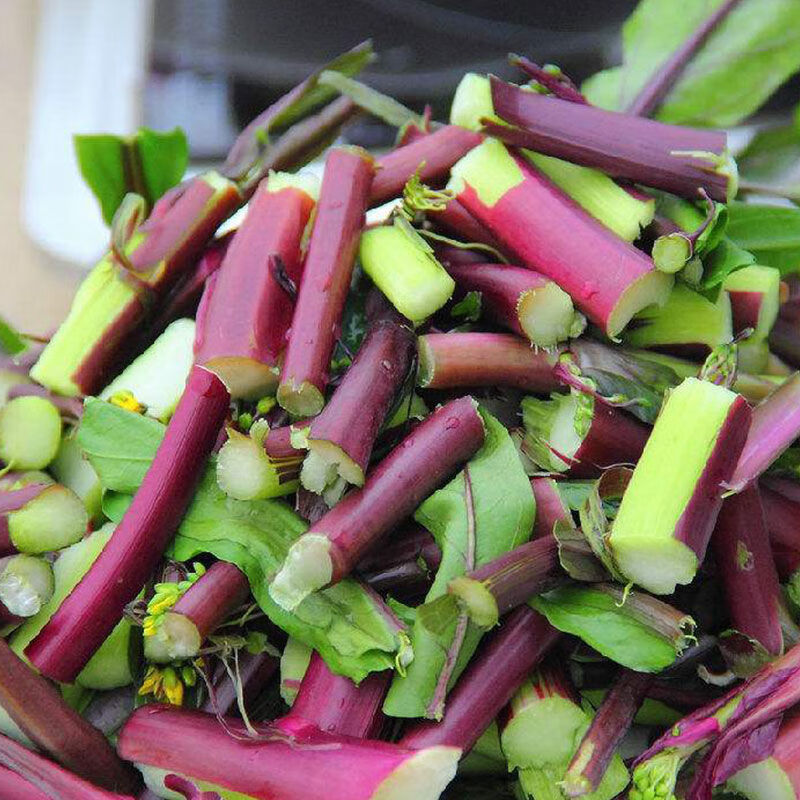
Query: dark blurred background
x: 239, y: 55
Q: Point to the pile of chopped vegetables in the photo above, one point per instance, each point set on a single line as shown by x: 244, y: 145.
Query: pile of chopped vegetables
x: 467, y: 470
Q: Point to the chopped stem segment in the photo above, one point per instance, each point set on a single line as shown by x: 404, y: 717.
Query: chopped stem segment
x: 244, y: 318
x: 30, y: 432
x: 669, y: 509
x: 56, y: 728
x: 326, y: 280
x: 341, y: 438
x: 393, y: 490
x: 26, y: 584
x: 204, y: 607
x: 90, y: 612
x: 674, y: 158
x: 521, y: 300
x: 454, y: 360
x: 545, y: 230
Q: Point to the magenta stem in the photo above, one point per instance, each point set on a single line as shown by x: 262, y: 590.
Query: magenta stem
x: 747, y: 570
x: 58, y: 730
x: 652, y: 94
x: 291, y: 760
x: 326, y: 280
x: 456, y: 360
x: 488, y: 684
x: 781, y: 514
x: 336, y: 705
x: 560, y: 86
x: 89, y: 613
x: 355, y: 412
x: 623, y: 146
x: 550, y: 507
x: 503, y: 289
x: 610, y: 724
x: 456, y: 220
x: 245, y: 321
x: 255, y: 672
x: 212, y: 599
x: 775, y: 426
x: 433, y: 154
x: 546, y: 231
x: 397, y: 485
x: 784, y: 340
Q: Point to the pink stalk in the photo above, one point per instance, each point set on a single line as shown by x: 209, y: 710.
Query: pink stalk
x: 30, y: 776
x: 520, y: 300
x: 435, y: 153
x: 342, y: 436
x: 242, y: 326
x: 746, y: 308
x: 422, y: 462
x: 89, y: 613
x: 746, y: 567
x: 774, y: 427
x: 255, y: 672
x: 183, y: 299
x: 206, y: 605
x: 781, y: 514
x: 278, y: 442
x: 336, y: 705
x: 786, y: 753
x: 487, y: 685
x: 70, y: 407
x: 674, y: 158
x: 292, y: 761
x: 37, y: 707
x: 652, y: 94
x: 13, y: 785
x: 545, y: 230
x: 453, y: 360
x: 550, y: 507
x: 493, y: 589
x: 610, y: 724
x: 558, y: 85
x: 405, y: 565
x: 456, y: 220
x: 326, y: 280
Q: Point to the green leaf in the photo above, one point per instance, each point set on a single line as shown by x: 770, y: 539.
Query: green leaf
x: 343, y: 623
x: 770, y: 164
x: 594, y: 617
x: 11, y: 341
x: 119, y: 444
x: 504, y: 509
x: 468, y: 308
x: 752, y: 52
x: 770, y: 233
x: 147, y: 163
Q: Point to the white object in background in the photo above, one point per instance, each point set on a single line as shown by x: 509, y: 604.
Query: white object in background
x: 91, y: 57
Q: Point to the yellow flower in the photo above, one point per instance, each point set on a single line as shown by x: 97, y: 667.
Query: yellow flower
x: 125, y: 399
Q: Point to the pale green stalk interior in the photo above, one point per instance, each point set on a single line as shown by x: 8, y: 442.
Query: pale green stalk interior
x: 642, y: 537
x: 307, y: 568
x: 72, y: 470
x: 755, y: 278
x: 30, y: 432
x: 157, y: 377
x: 245, y: 471
x: 54, y: 519
x: 764, y: 780
x: 686, y: 318
x: 403, y: 267
x: 547, y: 316
x: 97, y: 305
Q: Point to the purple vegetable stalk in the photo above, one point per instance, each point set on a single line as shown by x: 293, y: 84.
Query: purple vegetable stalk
x: 291, y: 759
x: 180, y: 631
x: 747, y: 570
x: 89, y: 613
x: 550, y: 507
x: 493, y: 589
x: 458, y: 360
x: 326, y: 280
x: 774, y: 427
x: 488, y: 684
x: 336, y: 705
x: 610, y: 724
x: 341, y: 438
x: 243, y: 321
x: 677, y: 159
x: 37, y: 707
x: 419, y: 464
